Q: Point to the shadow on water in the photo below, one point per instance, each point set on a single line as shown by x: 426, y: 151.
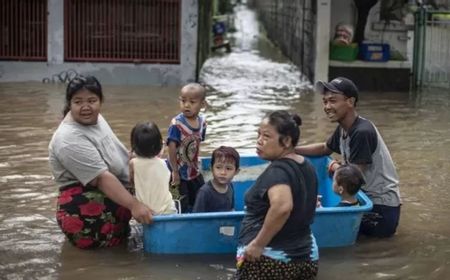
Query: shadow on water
x: 245, y: 84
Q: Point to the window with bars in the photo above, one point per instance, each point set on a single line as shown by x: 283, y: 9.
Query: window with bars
x: 23, y: 30
x: 136, y: 31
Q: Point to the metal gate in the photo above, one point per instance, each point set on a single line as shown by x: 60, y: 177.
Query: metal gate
x: 431, y: 62
x: 137, y: 31
x: 23, y: 30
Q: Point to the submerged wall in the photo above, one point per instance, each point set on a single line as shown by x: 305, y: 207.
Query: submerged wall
x: 291, y: 25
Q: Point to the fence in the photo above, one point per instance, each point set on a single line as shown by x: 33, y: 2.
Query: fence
x: 431, y: 65
x: 291, y: 25
x: 137, y: 31
x: 23, y: 30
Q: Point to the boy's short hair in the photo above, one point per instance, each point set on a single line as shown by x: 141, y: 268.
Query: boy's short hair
x: 350, y: 177
x: 201, y: 90
x: 226, y: 153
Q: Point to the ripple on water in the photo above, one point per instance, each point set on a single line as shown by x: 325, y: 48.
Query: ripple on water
x: 238, y: 97
x: 18, y: 177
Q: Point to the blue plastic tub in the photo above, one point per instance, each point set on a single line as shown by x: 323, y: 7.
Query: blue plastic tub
x: 204, y: 233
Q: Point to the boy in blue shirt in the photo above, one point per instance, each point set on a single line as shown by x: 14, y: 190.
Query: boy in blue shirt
x: 185, y: 133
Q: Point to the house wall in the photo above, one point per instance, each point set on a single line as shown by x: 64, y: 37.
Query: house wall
x: 344, y: 11
x: 109, y: 73
x: 305, y: 37
x: 374, y: 76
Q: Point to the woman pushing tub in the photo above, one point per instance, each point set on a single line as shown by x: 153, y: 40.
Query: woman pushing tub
x: 90, y: 165
x: 275, y: 241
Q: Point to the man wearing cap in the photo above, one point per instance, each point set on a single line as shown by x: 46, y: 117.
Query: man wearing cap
x: 359, y: 142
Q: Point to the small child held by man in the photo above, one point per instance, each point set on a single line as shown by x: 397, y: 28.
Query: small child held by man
x: 347, y: 181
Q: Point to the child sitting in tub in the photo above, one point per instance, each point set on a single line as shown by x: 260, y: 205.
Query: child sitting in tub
x: 148, y: 171
x: 217, y: 195
x: 347, y: 181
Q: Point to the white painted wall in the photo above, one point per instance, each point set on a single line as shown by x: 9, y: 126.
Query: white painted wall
x: 55, y: 31
x: 345, y: 11
x: 322, y: 40
x: 397, y: 40
x: 342, y: 11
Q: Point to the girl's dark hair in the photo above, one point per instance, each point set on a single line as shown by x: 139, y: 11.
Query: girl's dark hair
x: 78, y: 83
x: 286, y: 124
x: 146, y: 140
x: 227, y: 153
x: 350, y: 177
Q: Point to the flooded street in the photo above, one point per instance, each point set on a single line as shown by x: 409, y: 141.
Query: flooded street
x: 243, y: 86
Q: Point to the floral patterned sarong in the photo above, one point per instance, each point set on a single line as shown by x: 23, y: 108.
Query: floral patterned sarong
x: 89, y: 219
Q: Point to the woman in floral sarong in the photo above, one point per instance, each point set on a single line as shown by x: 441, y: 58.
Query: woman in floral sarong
x: 90, y: 165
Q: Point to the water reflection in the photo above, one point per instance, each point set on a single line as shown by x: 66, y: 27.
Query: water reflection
x: 244, y: 85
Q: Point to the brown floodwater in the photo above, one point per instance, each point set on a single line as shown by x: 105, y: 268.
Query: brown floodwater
x: 243, y: 86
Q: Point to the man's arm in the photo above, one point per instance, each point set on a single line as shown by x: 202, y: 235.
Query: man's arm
x: 362, y: 167
x: 317, y: 149
x: 281, y: 205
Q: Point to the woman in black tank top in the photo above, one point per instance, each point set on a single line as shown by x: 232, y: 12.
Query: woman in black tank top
x: 275, y: 241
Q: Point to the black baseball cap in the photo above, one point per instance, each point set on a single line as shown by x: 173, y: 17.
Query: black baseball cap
x: 339, y: 85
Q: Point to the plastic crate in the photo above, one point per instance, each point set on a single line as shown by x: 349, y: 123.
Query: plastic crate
x: 343, y: 52
x: 374, y: 52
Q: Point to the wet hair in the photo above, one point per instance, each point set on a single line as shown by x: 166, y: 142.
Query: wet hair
x: 350, y: 177
x: 81, y: 82
x: 201, y: 90
x: 286, y: 124
x: 146, y: 140
x: 227, y: 154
